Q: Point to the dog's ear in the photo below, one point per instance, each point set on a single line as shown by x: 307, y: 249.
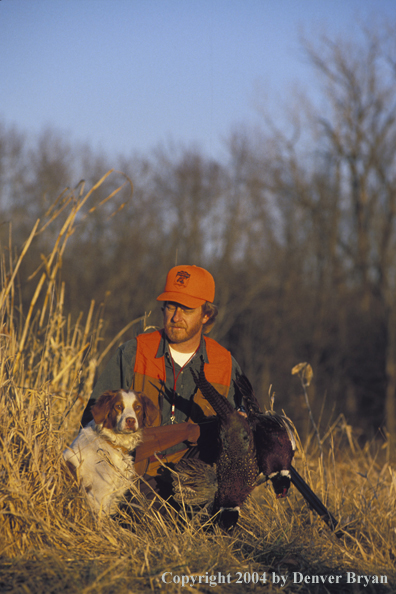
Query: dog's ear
x: 102, y: 407
x: 151, y: 412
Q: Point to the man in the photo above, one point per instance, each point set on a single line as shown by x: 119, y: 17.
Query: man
x: 158, y: 363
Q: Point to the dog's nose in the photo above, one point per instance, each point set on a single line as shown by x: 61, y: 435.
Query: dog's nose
x: 130, y: 422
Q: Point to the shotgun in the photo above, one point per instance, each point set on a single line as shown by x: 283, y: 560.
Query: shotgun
x: 314, y: 501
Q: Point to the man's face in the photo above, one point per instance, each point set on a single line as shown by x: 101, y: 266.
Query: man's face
x: 183, y: 324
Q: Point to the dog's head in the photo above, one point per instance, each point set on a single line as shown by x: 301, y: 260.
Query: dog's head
x: 124, y: 411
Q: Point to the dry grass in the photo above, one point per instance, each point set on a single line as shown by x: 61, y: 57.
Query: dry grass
x: 51, y: 542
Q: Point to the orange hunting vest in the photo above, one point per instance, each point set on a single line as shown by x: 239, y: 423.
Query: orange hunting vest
x: 150, y: 378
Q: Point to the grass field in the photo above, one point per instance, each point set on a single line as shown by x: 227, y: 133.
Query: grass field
x: 51, y: 541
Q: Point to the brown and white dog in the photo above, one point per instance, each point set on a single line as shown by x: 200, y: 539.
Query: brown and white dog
x: 100, y: 456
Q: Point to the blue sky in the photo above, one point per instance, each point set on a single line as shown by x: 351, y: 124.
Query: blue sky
x: 127, y: 75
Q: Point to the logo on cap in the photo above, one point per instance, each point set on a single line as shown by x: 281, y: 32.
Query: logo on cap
x: 182, y: 278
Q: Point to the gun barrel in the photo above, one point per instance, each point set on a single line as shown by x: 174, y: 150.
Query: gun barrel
x: 314, y: 501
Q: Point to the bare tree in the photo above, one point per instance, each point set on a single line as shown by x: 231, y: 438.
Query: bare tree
x: 359, y: 138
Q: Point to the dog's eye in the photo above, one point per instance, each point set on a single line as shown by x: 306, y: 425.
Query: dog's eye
x: 118, y: 407
x: 138, y: 407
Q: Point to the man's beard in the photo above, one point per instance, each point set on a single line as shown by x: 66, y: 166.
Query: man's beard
x: 178, y: 334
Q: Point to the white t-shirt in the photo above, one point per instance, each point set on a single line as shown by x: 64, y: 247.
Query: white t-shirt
x: 180, y: 358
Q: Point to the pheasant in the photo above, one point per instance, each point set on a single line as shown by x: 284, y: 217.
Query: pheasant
x: 251, y: 450
x: 233, y: 476
x: 275, y: 442
x: 273, y: 437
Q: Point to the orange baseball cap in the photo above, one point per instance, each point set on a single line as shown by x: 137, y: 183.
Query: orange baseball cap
x: 188, y: 285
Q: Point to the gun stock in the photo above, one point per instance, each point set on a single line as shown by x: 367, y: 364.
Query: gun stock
x: 314, y: 501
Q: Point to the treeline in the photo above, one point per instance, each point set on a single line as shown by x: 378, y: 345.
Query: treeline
x: 297, y: 226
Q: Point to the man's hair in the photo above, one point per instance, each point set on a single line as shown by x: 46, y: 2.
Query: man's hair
x: 210, y: 310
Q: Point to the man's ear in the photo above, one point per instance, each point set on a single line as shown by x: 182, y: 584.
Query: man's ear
x: 205, y: 317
